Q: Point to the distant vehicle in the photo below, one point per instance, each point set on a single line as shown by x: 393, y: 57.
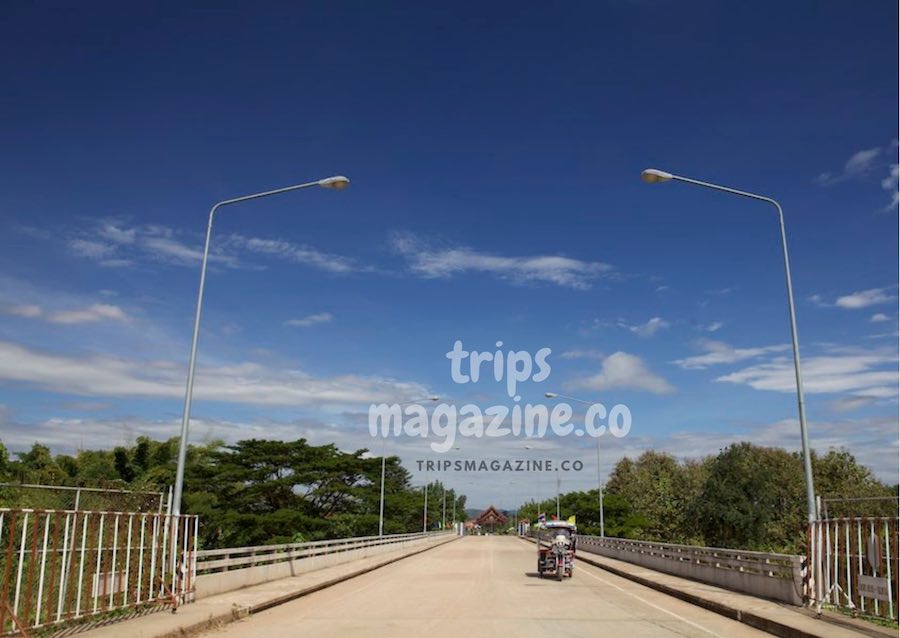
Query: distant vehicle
x: 558, y: 555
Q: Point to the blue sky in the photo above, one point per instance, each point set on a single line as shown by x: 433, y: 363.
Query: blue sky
x: 494, y: 153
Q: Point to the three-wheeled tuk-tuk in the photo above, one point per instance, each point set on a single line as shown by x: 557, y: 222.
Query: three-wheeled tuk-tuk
x: 556, y: 549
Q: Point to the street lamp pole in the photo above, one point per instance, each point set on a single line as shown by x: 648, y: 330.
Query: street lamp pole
x: 383, y: 460
x: 337, y: 182
x: 654, y: 176
x: 425, y: 510
x: 554, y: 395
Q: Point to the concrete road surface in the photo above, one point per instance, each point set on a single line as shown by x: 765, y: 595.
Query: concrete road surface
x: 485, y: 586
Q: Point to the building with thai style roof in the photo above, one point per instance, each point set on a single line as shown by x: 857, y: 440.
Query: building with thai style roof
x: 489, y: 520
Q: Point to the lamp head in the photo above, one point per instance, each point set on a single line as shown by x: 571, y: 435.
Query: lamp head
x: 338, y: 182
x: 655, y: 176
x: 550, y: 395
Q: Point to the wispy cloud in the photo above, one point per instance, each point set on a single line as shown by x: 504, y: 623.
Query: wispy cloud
x: 647, y: 329
x: 433, y: 262
x: 116, y: 244
x: 295, y: 253
x: 891, y: 184
x: 863, y: 163
x: 719, y: 352
x: 90, y: 314
x: 878, y: 317
x: 29, y: 311
x: 860, y: 163
x: 569, y: 355
x: 864, y: 375
x: 247, y: 383
x: 857, y: 300
x: 310, y: 320
x: 715, y: 326
x: 625, y: 371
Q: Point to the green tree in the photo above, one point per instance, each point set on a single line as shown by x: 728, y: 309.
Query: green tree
x: 754, y: 499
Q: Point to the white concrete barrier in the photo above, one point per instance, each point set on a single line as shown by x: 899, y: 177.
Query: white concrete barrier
x: 772, y: 576
x: 223, y: 570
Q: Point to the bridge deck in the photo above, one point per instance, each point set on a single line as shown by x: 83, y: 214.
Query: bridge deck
x: 481, y: 586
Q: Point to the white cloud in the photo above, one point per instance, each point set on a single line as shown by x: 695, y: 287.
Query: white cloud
x: 113, y: 243
x: 859, y: 164
x: 29, y: 311
x: 719, y: 352
x: 296, y: 253
x: 440, y: 263
x: 247, y: 383
x: 865, y: 375
x: 91, y: 314
x: 890, y: 184
x: 311, y: 320
x: 90, y: 249
x: 864, y: 298
x: 624, y: 371
x: 861, y: 161
x: 715, y: 326
x: 879, y: 317
x: 115, y: 233
x: 582, y: 354
x: 648, y: 329
x: 858, y: 299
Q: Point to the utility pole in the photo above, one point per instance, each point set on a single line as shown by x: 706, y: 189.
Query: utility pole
x: 557, y: 494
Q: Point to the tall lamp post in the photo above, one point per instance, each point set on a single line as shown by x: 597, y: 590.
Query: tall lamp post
x: 383, y: 459
x: 654, y: 176
x: 337, y: 182
x: 425, y: 510
x: 555, y: 395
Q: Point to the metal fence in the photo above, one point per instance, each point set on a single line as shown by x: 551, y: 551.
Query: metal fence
x: 854, y: 564
x: 218, y: 560
x: 58, y: 566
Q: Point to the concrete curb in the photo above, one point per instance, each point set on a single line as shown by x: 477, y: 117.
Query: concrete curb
x: 237, y: 613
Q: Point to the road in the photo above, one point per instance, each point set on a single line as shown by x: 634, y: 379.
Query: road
x: 484, y: 586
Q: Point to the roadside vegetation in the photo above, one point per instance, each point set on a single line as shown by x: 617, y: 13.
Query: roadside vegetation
x: 254, y: 492
x: 744, y: 497
x: 259, y: 492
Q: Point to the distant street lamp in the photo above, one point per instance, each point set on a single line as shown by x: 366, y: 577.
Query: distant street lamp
x: 425, y: 510
x: 538, y: 493
x: 654, y: 176
x: 383, y: 459
x: 554, y: 395
x: 337, y: 182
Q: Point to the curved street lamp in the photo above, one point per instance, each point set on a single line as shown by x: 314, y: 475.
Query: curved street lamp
x: 337, y: 182
x: 656, y: 176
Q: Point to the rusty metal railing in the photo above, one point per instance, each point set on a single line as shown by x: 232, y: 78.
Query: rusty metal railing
x: 854, y: 565
x: 66, y: 565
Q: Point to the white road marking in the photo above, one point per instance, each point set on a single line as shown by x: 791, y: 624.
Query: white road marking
x: 648, y: 603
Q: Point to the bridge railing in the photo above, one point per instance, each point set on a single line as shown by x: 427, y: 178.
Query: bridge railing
x: 767, y: 575
x: 221, y: 570
x: 855, y: 564
x: 60, y: 566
